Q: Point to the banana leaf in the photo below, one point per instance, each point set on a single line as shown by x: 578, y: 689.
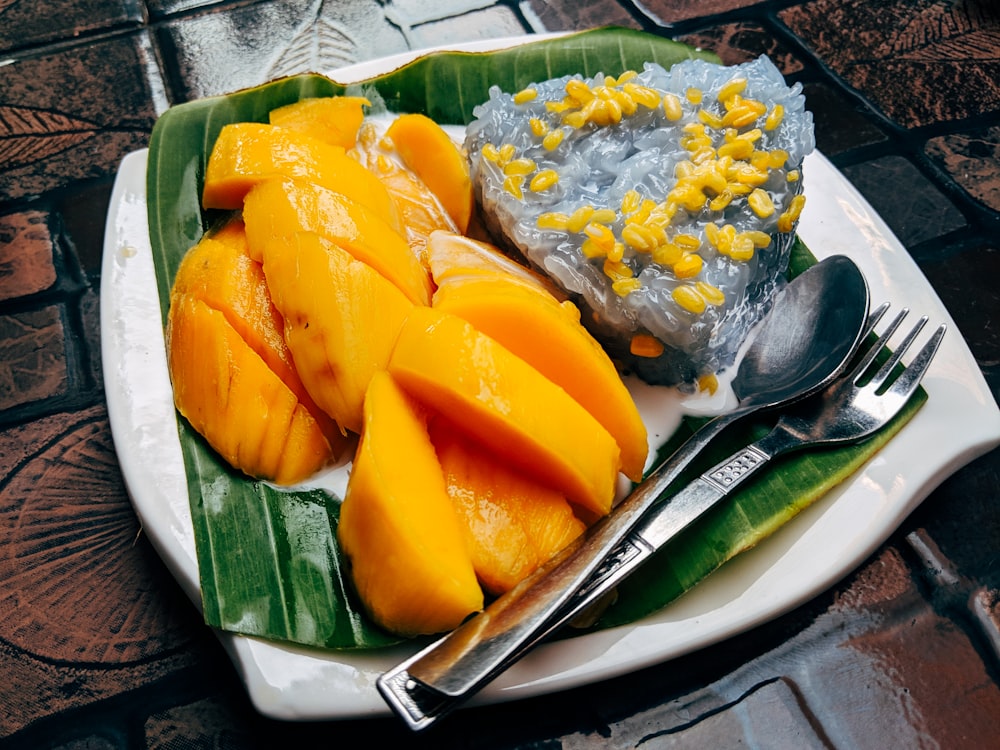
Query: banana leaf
x: 268, y: 559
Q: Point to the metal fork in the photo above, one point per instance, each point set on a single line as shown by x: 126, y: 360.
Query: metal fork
x: 436, y: 680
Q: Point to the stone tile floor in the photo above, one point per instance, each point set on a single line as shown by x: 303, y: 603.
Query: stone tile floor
x: 98, y: 646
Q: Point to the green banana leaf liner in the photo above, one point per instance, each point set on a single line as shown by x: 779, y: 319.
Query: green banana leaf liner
x: 268, y: 559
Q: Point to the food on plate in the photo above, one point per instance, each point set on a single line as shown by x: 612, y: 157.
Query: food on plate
x: 431, y: 154
x: 503, y: 402
x: 279, y: 208
x: 548, y: 335
x: 512, y: 523
x: 418, y: 208
x: 407, y: 554
x: 332, y: 119
x: 664, y: 202
x: 341, y: 318
x: 246, y: 153
x: 233, y: 375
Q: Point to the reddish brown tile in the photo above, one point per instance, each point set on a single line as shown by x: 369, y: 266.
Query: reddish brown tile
x: 104, y: 602
x: 669, y: 11
x: 71, y: 115
x: 24, y: 23
x: 972, y: 160
x: 32, y: 357
x: 740, y: 42
x: 566, y: 15
x: 914, y: 74
x: 920, y: 213
x: 26, y: 254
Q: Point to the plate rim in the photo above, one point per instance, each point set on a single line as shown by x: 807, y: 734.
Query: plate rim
x: 328, y: 680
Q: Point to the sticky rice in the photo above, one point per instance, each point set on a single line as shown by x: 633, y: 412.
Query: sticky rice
x: 664, y: 202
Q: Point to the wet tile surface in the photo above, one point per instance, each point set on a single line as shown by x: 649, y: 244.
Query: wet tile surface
x: 104, y: 649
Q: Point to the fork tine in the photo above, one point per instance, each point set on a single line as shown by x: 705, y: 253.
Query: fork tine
x: 874, y: 349
x: 910, y: 378
x: 886, y: 369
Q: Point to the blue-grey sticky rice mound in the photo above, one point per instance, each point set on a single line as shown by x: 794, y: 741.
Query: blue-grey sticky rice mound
x: 663, y: 202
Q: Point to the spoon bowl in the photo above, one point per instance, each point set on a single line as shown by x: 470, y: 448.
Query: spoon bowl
x: 814, y: 325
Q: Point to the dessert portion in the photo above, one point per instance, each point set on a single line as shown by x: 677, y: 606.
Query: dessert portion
x: 663, y: 202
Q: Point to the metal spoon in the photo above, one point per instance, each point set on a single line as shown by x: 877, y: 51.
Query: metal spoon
x: 806, y: 340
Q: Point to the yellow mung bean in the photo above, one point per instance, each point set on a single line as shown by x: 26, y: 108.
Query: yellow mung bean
x: 688, y: 266
x: 552, y: 140
x: 672, y: 107
x: 689, y: 299
x: 552, y: 220
x: 732, y: 88
x: 545, y: 179
x: 580, y: 218
x: 760, y: 203
x: 712, y: 294
x: 525, y: 95
x: 774, y: 117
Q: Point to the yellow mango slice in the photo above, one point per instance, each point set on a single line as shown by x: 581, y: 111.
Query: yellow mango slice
x: 278, y: 209
x: 235, y: 401
x: 549, y: 336
x: 419, y: 210
x: 219, y: 272
x: 450, y: 256
x: 512, y: 523
x: 341, y: 319
x: 245, y: 153
x: 408, y: 559
x: 506, y: 404
x: 434, y: 157
x: 332, y: 119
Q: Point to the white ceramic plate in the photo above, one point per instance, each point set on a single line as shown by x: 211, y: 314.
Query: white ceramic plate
x: 959, y: 422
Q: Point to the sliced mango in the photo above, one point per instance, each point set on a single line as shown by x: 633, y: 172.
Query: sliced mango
x: 549, y: 336
x: 397, y: 525
x: 219, y: 272
x: 436, y: 159
x: 512, y: 523
x: 508, y: 405
x: 420, y: 212
x: 245, y: 153
x: 450, y: 256
x: 235, y: 401
x: 332, y: 119
x: 278, y: 209
x: 341, y: 319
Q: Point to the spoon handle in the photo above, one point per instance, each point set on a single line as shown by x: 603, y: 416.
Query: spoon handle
x: 435, y: 680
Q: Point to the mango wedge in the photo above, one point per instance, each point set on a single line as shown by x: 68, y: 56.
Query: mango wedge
x: 419, y: 210
x: 233, y: 399
x: 506, y: 404
x: 278, y: 209
x: 454, y: 256
x: 245, y: 153
x: 512, y: 523
x: 341, y: 319
x: 219, y: 272
x: 332, y: 119
x: 397, y: 526
x: 549, y: 336
x: 434, y: 157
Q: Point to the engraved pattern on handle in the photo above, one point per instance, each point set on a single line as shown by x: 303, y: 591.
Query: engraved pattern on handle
x: 730, y: 473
